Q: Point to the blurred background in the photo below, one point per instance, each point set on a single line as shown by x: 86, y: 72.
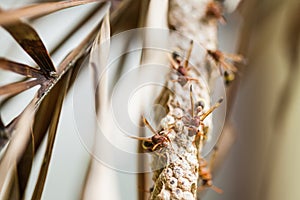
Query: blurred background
x: 262, y: 159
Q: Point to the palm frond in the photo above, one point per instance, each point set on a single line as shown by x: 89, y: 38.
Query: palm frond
x: 16, y: 88
x: 46, y: 101
x: 38, y: 10
x: 17, y: 145
x: 98, y: 61
x: 63, y: 85
x: 32, y: 44
x: 19, y: 68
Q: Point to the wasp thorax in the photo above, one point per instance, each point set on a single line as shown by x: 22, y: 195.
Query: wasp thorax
x: 182, y: 80
x: 216, y: 55
x: 195, y: 122
x: 182, y: 71
x: 157, y: 139
x: 161, y: 140
x: 213, y: 9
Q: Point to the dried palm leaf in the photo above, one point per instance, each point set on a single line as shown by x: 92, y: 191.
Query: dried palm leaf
x: 73, y: 60
x: 13, y: 16
x: 16, y: 88
x: 126, y: 16
x: 17, y: 144
x: 51, y: 137
x: 98, y: 62
x: 30, y: 41
x: 98, y: 66
x: 21, y: 69
x: 155, y: 17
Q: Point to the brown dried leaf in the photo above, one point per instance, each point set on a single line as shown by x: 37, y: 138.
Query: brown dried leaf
x: 32, y: 44
x: 98, y: 65
x: 44, y: 115
x: 12, y: 16
x: 98, y: 61
x: 18, y: 87
x: 13, y: 191
x: 47, y: 103
x: 126, y: 16
x: 24, y: 167
x: 76, y: 28
x: 17, y: 144
x: 51, y: 137
x: 19, y: 68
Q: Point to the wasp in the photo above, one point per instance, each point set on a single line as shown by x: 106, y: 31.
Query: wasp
x: 205, y: 173
x: 195, y: 119
x: 224, y: 62
x: 215, y: 11
x: 206, y: 177
x: 158, y: 141
x: 182, y: 67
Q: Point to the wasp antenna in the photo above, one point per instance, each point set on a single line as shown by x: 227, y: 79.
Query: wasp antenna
x: 216, y: 189
x: 204, y: 115
x: 174, y: 64
x: 223, y: 20
x: 149, y: 125
x: 139, y: 138
x: 200, y: 189
x: 192, y: 100
x: 189, y: 53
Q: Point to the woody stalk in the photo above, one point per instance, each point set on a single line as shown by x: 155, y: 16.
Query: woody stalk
x: 188, y: 123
